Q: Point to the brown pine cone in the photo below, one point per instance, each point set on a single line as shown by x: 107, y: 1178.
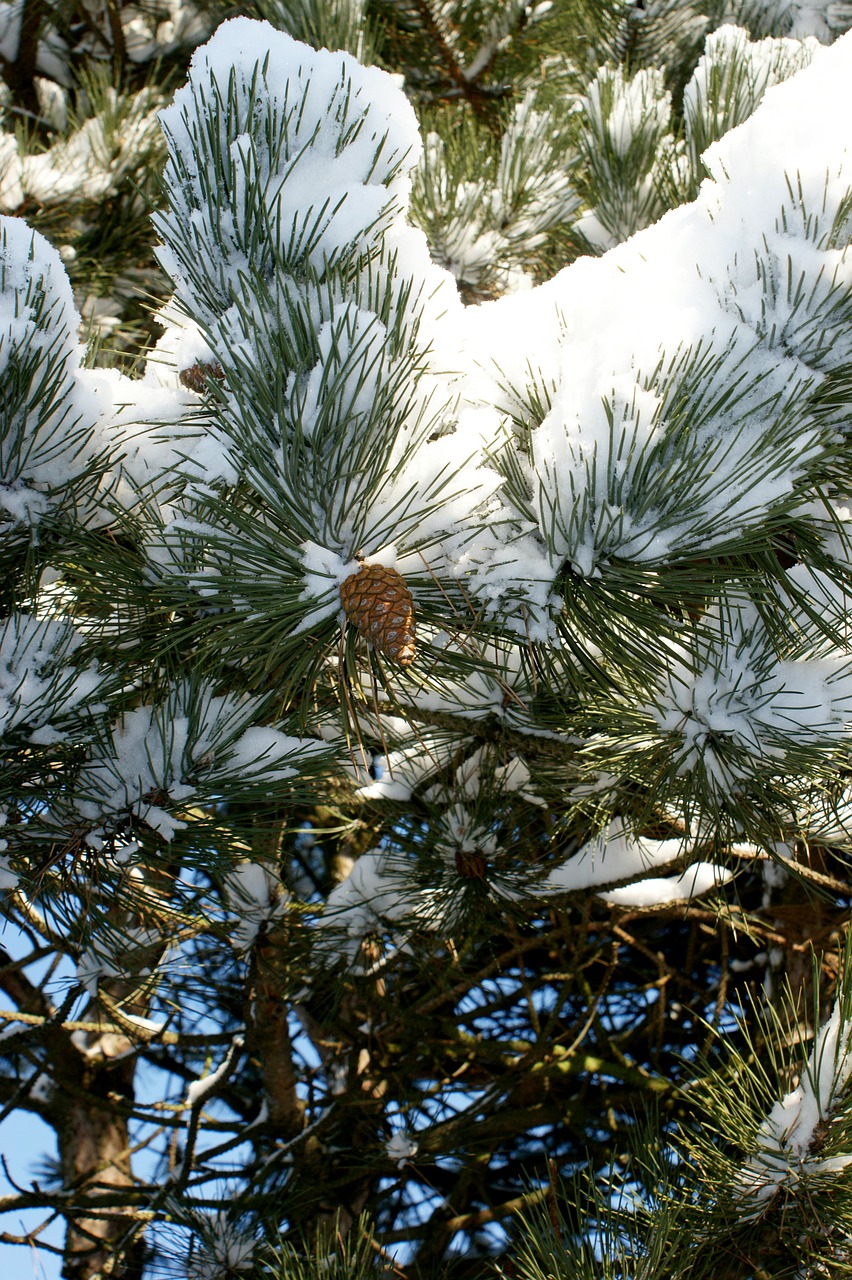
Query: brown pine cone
x: 471, y: 864
x: 377, y: 602
x: 194, y: 378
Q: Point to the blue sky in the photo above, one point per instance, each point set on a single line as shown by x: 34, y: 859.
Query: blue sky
x: 24, y: 1139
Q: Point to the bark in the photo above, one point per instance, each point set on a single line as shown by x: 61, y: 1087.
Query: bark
x: 812, y: 926
x: 93, y: 1137
x: 269, y: 1037
x: 89, y: 1100
x: 94, y: 1099
x: 19, y: 72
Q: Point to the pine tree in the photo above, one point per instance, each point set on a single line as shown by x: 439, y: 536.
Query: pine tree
x: 425, y: 686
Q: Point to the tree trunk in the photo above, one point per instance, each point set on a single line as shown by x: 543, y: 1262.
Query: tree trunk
x: 94, y: 1153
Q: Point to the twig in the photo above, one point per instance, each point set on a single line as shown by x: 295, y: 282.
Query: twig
x: 550, y: 1198
x: 206, y: 1089
x: 478, y: 1218
x: 107, y: 1028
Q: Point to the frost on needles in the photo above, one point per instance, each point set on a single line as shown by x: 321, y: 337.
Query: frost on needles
x: 602, y: 465
x: 619, y: 502
x: 288, y: 180
x: 637, y: 472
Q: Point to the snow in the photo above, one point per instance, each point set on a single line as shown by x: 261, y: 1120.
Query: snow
x: 614, y: 855
x: 11, y: 189
x: 731, y: 700
x: 461, y: 830
x: 789, y: 1141
x: 734, y: 73
x: 110, y: 954
x: 81, y: 441
x: 86, y: 164
x: 380, y: 900
x: 360, y: 904
x: 823, y: 20
x: 620, y: 109
x: 149, y: 1025
x: 8, y: 878
x: 699, y: 878
x: 100, y: 315
x: 627, y: 146
x: 401, y: 1147
x: 336, y: 160
x: 221, y: 1249
x: 322, y: 164
x: 42, y: 1088
x: 10, y: 21
x: 779, y: 140
x: 412, y: 433
x: 52, y: 103
x: 350, y: 347
x: 255, y: 897
x: 693, y: 303
x: 483, y: 229
x: 191, y: 746
x: 497, y: 682
x: 37, y: 314
x: 146, y: 38
x: 41, y: 688
x: 414, y: 757
x: 51, y: 54
x: 200, y: 1089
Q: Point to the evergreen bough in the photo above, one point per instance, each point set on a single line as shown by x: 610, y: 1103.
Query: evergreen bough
x: 425, y: 682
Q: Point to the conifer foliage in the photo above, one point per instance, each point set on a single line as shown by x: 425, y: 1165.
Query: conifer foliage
x: 425, y: 675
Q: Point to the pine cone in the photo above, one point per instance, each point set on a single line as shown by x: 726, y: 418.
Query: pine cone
x: 377, y: 602
x: 195, y: 376
x: 471, y: 864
